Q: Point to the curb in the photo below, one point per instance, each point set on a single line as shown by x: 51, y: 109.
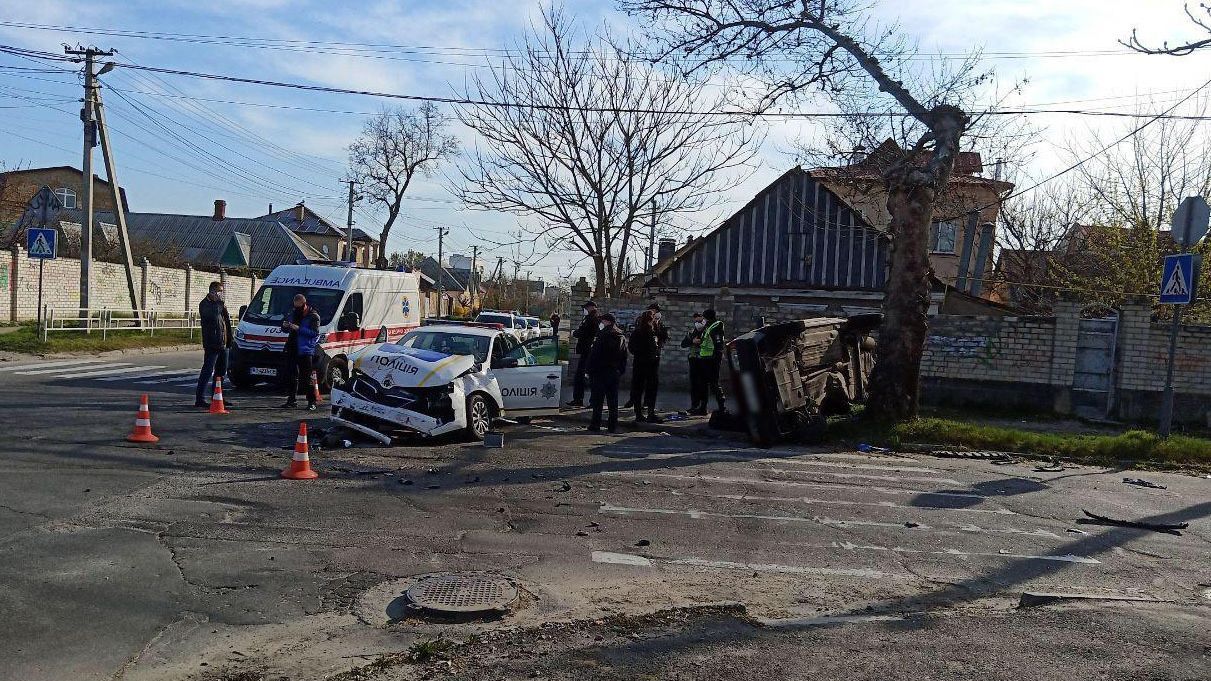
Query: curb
x: 14, y: 356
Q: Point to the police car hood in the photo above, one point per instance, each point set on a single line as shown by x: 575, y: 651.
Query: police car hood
x: 411, y: 368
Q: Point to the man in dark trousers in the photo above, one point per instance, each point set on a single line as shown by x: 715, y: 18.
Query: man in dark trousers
x: 607, y: 361
x: 693, y: 342
x: 647, y: 341
x: 711, y: 353
x: 584, y: 335
x: 216, y: 340
x: 304, y: 327
x: 555, y: 325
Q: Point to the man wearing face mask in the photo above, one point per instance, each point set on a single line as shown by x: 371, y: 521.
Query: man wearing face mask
x: 607, y: 361
x: 304, y: 327
x: 584, y: 335
x: 711, y: 350
x: 693, y: 341
x: 216, y: 340
x: 647, y: 340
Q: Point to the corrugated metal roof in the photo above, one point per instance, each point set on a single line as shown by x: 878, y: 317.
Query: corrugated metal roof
x: 202, y: 240
x: 312, y: 223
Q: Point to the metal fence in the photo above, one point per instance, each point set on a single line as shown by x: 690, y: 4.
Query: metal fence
x: 105, y: 320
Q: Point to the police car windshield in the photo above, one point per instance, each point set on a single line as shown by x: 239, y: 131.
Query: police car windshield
x: 273, y: 303
x: 448, y: 342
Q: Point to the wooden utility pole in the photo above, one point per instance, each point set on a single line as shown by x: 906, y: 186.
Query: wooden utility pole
x: 88, y: 116
x: 441, y: 269
x: 473, y: 278
x: 349, y: 227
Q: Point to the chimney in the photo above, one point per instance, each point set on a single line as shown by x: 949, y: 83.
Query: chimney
x: 300, y: 212
x: 666, y: 249
x: 220, y: 209
x: 270, y: 209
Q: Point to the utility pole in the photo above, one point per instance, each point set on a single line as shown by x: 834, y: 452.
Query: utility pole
x: 473, y: 278
x: 349, y: 227
x: 441, y: 269
x: 652, y: 239
x: 88, y: 116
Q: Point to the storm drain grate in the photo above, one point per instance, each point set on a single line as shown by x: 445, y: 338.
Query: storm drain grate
x: 462, y: 592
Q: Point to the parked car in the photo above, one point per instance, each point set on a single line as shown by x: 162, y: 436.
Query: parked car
x: 789, y: 377
x: 446, y: 378
x: 533, y: 327
x: 544, y: 328
x: 512, y: 323
x: 357, y: 307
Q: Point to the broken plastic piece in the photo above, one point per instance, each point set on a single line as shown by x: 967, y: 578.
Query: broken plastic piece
x: 1140, y: 482
x: 1171, y: 528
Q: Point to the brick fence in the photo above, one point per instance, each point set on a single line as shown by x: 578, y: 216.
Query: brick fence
x: 164, y: 289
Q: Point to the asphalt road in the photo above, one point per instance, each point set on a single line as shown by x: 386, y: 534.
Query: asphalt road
x: 193, y: 559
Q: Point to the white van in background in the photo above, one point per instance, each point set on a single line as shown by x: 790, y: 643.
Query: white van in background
x: 357, y: 307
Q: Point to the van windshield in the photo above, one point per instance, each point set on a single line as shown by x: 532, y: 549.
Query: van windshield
x: 272, y: 303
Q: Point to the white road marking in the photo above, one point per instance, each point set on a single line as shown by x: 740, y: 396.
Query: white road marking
x: 43, y: 365
x: 181, y: 378
x: 620, y: 559
x: 108, y: 372
x: 845, y: 502
x: 822, y: 520
x: 70, y: 369
x: 865, y: 476
x: 742, y: 454
x: 170, y: 372
x: 792, y: 483
x: 857, y: 466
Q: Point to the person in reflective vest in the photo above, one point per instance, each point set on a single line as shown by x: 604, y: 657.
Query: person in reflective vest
x: 710, y: 354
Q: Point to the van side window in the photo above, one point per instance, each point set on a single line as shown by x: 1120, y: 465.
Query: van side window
x: 351, y: 316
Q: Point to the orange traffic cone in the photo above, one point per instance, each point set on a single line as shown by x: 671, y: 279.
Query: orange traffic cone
x: 300, y: 463
x: 142, y: 431
x: 216, y: 402
x: 315, y: 387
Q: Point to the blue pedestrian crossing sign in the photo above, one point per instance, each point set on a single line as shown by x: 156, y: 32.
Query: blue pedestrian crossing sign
x: 1177, y: 280
x: 41, y: 243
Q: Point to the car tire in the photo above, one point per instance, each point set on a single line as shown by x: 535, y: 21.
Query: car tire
x: 336, y: 375
x: 479, y: 417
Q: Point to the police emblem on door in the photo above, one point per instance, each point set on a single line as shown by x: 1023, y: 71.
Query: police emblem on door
x: 549, y: 391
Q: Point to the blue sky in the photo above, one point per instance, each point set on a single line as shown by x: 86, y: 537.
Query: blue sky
x: 255, y: 155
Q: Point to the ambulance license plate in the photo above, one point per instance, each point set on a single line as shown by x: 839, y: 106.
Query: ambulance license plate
x: 263, y: 371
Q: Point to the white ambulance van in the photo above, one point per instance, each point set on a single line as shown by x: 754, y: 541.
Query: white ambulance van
x: 357, y: 308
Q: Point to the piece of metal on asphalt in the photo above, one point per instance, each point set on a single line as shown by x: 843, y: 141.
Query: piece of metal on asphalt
x: 1032, y: 599
x: 462, y: 593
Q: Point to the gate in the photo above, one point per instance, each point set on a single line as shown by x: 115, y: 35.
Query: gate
x: 1093, y: 380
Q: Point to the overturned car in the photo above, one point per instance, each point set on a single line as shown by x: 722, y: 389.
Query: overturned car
x: 447, y: 378
x: 788, y: 377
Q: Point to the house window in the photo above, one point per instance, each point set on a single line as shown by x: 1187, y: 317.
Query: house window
x: 324, y: 249
x: 942, y: 237
x: 67, y: 197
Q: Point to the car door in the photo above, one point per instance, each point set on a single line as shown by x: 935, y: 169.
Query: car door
x: 527, y: 387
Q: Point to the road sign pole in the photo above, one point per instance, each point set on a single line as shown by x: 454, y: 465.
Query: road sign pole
x: 1166, y: 415
x: 41, y: 267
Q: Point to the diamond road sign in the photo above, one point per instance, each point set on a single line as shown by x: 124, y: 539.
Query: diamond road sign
x: 41, y: 243
x: 1177, y: 281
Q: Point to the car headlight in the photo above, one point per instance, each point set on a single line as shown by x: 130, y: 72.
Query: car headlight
x: 239, y: 334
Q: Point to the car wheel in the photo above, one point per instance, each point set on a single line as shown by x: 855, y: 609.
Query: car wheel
x: 337, y: 375
x: 242, y: 379
x: 479, y: 417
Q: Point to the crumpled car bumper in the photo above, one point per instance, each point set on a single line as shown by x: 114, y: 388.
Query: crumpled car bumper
x: 377, y: 420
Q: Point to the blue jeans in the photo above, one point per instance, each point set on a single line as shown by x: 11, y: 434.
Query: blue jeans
x: 213, y: 362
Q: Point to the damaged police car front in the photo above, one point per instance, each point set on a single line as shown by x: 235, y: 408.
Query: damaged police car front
x: 447, y: 378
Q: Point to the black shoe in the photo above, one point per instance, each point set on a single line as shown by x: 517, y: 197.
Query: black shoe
x: 289, y: 405
x: 228, y: 403
x: 594, y: 429
x: 612, y: 429
x: 653, y: 418
x: 575, y: 403
x: 629, y: 404
x: 200, y: 404
x: 700, y: 411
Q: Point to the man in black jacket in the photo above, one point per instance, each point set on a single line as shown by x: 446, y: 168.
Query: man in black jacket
x: 607, y: 361
x: 647, y: 341
x: 584, y: 335
x: 216, y: 340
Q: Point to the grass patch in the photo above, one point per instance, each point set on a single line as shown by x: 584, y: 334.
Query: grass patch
x: 26, y: 340
x: 1132, y: 445
x: 429, y: 650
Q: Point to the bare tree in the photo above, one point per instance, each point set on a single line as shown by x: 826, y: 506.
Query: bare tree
x: 1201, y: 19
x: 834, y: 46
x: 394, y: 146
x: 588, y: 142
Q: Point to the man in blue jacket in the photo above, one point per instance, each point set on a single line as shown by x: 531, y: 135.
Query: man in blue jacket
x: 304, y: 327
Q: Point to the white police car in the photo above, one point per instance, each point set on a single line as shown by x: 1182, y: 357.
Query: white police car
x: 448, y: 377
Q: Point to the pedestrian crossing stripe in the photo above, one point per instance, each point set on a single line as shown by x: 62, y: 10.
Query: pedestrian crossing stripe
x: 41, y: 248
x: 1176, y: 286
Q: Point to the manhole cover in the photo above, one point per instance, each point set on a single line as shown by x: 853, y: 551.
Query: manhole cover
x: 462, y: 593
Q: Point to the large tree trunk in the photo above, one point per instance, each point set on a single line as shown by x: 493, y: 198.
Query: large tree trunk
x: 895, y: 380
x: 601, y: 287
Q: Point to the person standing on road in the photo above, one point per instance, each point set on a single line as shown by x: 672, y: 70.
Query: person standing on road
x: 554, y: 319
x: 304, y: 327
x: 607, y: 362
x: 584, y: 335
x: 710, y: 350
x: 216, y: 341
x: 693, y: 341
x: 647, y: 340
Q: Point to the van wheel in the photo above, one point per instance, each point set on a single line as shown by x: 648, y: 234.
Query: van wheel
x: 479, y: 417
x: 242, y: 379
x: 337, y: 375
